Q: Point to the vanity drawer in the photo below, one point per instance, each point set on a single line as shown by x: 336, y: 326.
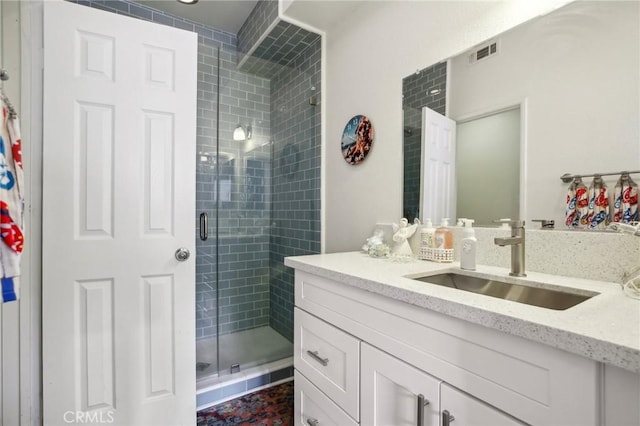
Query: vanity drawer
x: 312, y: 407
x: 329, y: 358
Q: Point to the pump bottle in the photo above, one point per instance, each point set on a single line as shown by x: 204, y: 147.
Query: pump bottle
x: 468, y: 246
x: 443, y: 238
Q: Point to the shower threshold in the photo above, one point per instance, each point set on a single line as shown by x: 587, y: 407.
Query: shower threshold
x: 263, y: 357
x: 217, y: 389
x: 247, y: 348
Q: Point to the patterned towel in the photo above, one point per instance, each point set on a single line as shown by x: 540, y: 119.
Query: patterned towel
x: 11, y: 205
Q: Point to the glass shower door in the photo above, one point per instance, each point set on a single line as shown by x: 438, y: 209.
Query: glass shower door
x: 244, y: 218
x: 207, y: 164
x: 259, y: 183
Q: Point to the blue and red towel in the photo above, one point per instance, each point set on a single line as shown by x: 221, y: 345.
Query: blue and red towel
x: 11, y: 205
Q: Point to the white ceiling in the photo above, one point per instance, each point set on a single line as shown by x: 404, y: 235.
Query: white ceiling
x: 226, y: 15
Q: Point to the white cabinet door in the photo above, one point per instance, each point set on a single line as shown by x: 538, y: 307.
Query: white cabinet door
x: 395, y: 393
x: 462, y: 409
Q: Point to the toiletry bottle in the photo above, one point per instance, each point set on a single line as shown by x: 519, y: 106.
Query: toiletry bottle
x: 443, y: 236
x: 468, y: 246
x: 427, y: 234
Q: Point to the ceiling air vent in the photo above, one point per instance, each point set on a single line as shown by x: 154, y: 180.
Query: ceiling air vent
x: 483, y: 52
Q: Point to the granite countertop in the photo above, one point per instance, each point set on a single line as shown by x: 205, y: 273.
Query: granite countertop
x: 604, y: 328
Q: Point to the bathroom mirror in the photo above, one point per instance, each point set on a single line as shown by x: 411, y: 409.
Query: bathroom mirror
x: 574, y: 75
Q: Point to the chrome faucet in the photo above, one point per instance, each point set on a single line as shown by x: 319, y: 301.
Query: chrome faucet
x: 516, y: 241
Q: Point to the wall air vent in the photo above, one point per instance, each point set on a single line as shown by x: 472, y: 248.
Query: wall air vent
x: 483, y: 52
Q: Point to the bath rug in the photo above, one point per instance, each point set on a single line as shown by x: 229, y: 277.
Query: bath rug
x: 270, y: 407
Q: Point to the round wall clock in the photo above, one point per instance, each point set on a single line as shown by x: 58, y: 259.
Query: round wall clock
x: 357, y: 139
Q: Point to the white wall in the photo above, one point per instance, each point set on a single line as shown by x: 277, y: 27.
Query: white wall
x: 578, y: 70
x: 368, y: 52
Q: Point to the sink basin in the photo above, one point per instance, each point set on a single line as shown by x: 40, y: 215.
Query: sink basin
x: 536, y: 296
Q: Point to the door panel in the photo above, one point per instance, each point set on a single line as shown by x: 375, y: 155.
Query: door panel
x: 118, y: 200
x: 438, y: 192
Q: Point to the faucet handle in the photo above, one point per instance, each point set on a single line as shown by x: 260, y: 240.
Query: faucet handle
x: 512, y: 223
x: 545, y: 223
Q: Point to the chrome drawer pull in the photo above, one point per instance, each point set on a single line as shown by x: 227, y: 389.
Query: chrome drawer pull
x: 422, y: 402
x: 312, y: 422
x: 314, y: 355
x: 447, y: 418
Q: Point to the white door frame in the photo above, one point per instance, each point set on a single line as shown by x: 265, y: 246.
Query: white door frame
x: 31, y: 34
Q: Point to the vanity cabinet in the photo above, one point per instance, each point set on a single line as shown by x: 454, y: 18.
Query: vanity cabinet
x: 467, y: 410
x: 370, y: 357
x: 396, y: 393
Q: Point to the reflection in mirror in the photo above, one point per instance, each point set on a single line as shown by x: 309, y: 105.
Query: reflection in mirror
x: 488, y: 167
x: 425, y: 88
x: 438, y: 189
x: 574, y: 73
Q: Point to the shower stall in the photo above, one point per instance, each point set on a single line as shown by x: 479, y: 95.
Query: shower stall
x: 257, y: 191
x: 257, y: 199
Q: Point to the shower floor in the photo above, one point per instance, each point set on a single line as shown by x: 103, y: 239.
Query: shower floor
x: 249, y: 348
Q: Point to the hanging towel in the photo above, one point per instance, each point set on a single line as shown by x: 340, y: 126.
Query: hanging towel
x: 630, y: 213
x: 617, y: 199
x: 625, y: 204
x: 577, y: 204
x: 570, y: 211
x: 598, y: 217
x: 11, y: 205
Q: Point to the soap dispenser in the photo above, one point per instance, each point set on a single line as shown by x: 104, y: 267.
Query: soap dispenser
x: 427, y: 234
x: 443, y: 238
x: 468, y: 246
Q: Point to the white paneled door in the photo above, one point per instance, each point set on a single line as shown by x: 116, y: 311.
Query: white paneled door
x: 118, y: 202
x: 438, y: 191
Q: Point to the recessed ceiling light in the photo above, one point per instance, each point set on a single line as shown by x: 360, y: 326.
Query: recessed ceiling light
x: 188, y: 1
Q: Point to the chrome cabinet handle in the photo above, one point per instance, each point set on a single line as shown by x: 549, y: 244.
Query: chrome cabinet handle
x: 312, y: 422
x: 422, y: 402
x: 204, y: 226
x: 447, y: 418
x: 314, y: 355
x: 182, y: 254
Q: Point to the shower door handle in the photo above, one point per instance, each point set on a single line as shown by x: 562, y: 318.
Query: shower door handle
x: 204, y: 226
